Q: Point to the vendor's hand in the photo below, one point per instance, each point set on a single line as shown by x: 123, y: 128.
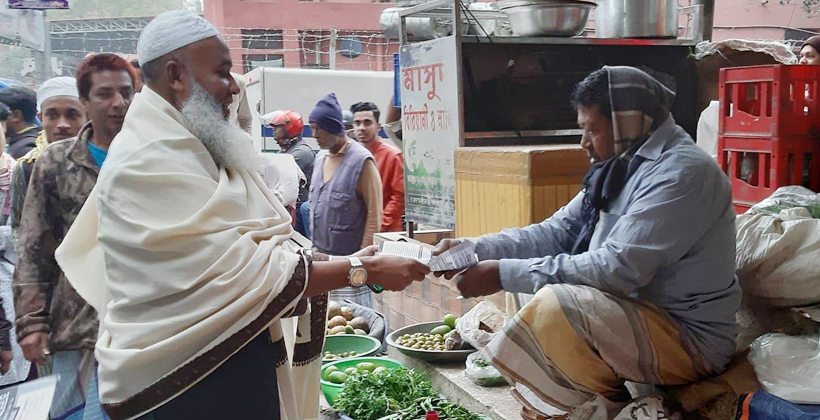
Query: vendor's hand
x: 442, y: 246
x: 480, y: 280
x: 35, y: 347
x: 394, y: 273
x: 5, y: 361
x: 367, y: 251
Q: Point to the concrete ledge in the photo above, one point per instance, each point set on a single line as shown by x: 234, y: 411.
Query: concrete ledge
x: 496, y: 403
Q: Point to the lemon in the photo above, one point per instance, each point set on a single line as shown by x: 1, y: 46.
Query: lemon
x: 337, y: 377
x: 328, y: 371
x: 370, y: 367
x: 450, y: 320
x: 441, y: 330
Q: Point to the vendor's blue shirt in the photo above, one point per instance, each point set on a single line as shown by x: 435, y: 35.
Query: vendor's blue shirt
x: 669, y: 239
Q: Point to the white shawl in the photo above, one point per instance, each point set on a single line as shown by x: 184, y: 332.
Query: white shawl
x: 185, y: 263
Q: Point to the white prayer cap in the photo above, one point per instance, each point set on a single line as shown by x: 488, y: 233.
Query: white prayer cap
x: 58, y: 86
x: 171, y: 31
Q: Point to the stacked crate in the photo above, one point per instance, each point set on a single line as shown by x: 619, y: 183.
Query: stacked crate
x: 769, y: 123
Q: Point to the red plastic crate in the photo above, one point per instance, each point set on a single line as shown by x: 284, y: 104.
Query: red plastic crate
x: 741, y: 208
x: 770, y: 101
x: 777, y: 163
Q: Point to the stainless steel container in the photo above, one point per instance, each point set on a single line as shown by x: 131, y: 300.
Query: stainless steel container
x: 546, y: 17
x: 483, y: 26
x: 418, y: 28
x: 636, y: 19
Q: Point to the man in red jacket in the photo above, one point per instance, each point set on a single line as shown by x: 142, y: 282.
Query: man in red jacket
x: 388, y: 159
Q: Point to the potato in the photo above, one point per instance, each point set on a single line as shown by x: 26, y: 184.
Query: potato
x: 333, y: 309
x: 347, y: 313
x: 337, y: 321
x: 360, y: 332
x: 359, y: 323
x: 337, y: 330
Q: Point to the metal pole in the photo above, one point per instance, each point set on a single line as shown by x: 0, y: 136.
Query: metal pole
x: 42, y: 59
x: 317, y: 49
x: 47, y: 52
x: 402, y: 41
x: 402, y: 29
x: 332, y: 49
x: 708, y: 21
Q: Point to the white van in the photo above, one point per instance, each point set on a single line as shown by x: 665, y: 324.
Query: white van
x: 271, y: 89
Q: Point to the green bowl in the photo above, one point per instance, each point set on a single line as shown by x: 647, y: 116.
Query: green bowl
x: 332, y: 390
x: 344, y: 343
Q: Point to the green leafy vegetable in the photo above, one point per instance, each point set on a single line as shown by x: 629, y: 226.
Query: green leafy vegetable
x: 373, y: 396
x: 445, y: 409
x: 402, y: 391
x: 482, y: 363
x: 775, y: 209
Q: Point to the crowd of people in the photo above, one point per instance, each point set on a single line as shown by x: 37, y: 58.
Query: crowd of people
x: 56, y: 141
x: 146, y: 260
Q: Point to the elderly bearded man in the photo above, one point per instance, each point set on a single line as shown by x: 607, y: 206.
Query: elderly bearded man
x: 634, y: 279
x: 188, y: 255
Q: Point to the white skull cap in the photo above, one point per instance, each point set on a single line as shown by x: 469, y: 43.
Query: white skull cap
x: 171, y: 31
x: 58, y: 86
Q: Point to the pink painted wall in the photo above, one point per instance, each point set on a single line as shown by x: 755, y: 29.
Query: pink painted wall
x: 752, y: 19
x: 295, y: 15
x: 760, y: 19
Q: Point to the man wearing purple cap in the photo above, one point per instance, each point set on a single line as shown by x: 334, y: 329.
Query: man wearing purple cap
x: 345, y: 193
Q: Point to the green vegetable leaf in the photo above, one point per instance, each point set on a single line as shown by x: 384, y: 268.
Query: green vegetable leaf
x: 482, y: 363
x: 400, y: 391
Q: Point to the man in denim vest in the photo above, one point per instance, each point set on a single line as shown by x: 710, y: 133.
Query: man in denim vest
x: 345, y: 193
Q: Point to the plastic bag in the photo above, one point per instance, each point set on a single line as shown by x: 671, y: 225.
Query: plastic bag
x: 788, y: 198
x: 479, y: 324
x: 482, y: 375
x: 778, y: 50
x: 376, y: 321
x: 788, y: 366
x: 777, y: 249
x: 281, y: 175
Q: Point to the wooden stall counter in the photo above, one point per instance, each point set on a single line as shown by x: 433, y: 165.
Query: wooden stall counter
x: 503, y: 187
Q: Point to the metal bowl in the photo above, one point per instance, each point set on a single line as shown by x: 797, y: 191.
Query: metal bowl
x: 448, y: 356
x: 546, y: 17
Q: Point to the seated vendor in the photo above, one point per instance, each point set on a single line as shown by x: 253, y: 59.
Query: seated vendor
x: 634, y: 280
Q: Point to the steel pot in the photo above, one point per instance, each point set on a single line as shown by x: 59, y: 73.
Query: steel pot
x: 546, y: 17
x: 418, y: 28
x: 636, y: 19
x: 483, y: 26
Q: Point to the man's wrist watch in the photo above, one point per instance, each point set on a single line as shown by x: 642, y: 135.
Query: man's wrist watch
x: 357, y: 276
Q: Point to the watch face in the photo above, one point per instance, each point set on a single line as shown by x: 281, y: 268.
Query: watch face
x: 358, y: 277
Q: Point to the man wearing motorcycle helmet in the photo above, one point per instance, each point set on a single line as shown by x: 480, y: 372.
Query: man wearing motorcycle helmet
x: 287, y: 131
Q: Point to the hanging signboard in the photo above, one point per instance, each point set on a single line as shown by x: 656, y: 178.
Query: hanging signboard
x: 430, y: 126
x: 38, y: 4
x: 28, y: 24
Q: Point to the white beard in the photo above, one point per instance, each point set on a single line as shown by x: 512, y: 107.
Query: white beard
x: 229, y: 146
